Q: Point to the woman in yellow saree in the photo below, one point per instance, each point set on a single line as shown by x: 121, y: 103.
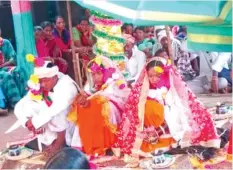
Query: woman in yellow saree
x: 97, y: 110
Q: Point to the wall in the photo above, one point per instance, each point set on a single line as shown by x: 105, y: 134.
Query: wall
x: 6, y: 24
x: 41, y: 11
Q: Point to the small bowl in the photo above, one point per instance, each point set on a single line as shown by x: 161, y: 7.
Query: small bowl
x: 14, y: 150
x: 159, y: 159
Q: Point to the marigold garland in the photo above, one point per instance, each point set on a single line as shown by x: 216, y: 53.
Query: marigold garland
x: 98, y: 51
x: 109, y: 40
x: 100, y: 34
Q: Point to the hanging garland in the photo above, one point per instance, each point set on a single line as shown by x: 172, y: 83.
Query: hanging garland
x: 101, y: 34
x: 98, y: 51
x: 103, y: 21
x: 110, y: 42
x: 99, y: 15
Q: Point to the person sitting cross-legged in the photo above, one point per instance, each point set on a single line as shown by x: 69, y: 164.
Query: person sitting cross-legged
x: 43, y: 110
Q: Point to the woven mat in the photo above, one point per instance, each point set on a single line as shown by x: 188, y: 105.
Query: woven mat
x: 37, y: 160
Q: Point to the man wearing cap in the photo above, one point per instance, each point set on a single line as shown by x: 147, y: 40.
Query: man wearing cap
x: 135, y: 58
x: 180, y: 57
x: 43, y: 110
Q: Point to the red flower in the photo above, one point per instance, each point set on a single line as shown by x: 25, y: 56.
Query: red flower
x: 39, y: 62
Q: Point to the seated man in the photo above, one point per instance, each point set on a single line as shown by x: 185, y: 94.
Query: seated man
x: 43, y: 110
x: 97, y: 110
x: 10, y: 76
x: 221, y: 74
x: 135, y: 58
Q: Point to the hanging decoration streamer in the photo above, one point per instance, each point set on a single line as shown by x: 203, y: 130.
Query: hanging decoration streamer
x: 99, y: 15
x: 100, y: 34
x: 110, y: 22
x: 110, y: 42
x: 112, y: 56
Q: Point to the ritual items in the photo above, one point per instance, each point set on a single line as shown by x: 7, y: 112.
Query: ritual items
x: 157, y: 162
x: 18, y: 153
x: 14, y: 150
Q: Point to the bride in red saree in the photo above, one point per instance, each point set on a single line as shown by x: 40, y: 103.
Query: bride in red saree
x: 161, y: 98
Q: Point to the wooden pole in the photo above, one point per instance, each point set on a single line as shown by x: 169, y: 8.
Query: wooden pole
x: 169, y: 44
x: 76, y: 65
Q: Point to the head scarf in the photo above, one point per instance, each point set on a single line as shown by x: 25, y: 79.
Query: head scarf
x: 163, y: 34
x: 159, y: 27
x: 41, y: 70
x: 111, y: 73
x: 202, y: 128
x: 129, y: 38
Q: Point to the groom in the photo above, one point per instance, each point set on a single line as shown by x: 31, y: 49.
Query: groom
x: 43, y: 110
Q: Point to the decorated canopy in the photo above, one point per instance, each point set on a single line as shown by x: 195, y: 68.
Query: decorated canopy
x: 209, y: 23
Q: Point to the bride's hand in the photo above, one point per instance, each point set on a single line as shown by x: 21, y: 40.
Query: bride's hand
x: 82, y: 100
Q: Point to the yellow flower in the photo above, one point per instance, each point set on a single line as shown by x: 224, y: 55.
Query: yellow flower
x: 120, y: 82
x: 104, y: 86
x: 34, y: 78
x: 169, y: 62
x: 158, y: 69
x: 89, y: 70
x: 195, y: 162
x: 36, y: 97
x: 30, y: 58
x: 98, y: 60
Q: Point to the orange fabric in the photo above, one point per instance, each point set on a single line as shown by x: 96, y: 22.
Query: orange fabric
x: 96, y: 135
x: 154, y: 116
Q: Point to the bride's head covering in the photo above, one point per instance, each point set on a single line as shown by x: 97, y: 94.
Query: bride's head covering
x: 202, y: 128
x: 111, y: 73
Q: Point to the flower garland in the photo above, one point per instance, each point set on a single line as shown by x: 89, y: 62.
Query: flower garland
x: 104, y: 21
x: 110, y: 42
x: 117, y: 58
x: 35, y: 91
x: 99, y: 15
x: 100, y: 34
x: 98, y: 51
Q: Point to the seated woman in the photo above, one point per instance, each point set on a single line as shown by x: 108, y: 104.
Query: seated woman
x: 47, y: 48
x: 83, y: 37
x: 62, y: 37
x: 97, y: 110
x: 12, y: 79
x: 162, y: 111
x: 41, y: 49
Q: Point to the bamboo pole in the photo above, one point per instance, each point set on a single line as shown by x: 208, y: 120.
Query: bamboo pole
x: 75, y: 57
x: 169, y: 44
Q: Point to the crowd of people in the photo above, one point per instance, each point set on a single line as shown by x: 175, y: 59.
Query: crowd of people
x: 152, y: 110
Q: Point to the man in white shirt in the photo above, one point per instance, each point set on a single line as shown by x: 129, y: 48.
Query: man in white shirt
x: 135, y: 59
x: 43, y: 110
x: 221, y: 71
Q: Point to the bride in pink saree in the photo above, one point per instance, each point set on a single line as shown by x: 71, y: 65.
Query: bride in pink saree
x: 188, y: 120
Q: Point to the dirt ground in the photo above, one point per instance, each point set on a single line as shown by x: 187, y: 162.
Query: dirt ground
x: 7, y: 120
